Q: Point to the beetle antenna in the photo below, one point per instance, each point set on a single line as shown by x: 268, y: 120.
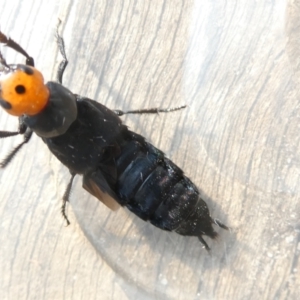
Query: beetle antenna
x: 61, y: 46
x: 15, y: 46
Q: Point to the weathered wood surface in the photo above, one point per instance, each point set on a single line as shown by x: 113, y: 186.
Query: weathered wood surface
x: 236, y: 66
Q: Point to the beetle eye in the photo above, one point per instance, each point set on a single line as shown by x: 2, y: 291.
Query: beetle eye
x: 20, y: 89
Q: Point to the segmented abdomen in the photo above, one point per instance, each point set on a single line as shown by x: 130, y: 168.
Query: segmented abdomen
x: 156, y: 190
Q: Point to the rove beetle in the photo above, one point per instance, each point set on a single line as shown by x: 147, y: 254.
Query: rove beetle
x: 118, y: 166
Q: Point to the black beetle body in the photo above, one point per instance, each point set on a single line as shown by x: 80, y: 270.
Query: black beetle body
x: 116, y: 163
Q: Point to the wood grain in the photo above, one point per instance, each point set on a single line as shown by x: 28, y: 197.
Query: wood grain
x: 236, y: 66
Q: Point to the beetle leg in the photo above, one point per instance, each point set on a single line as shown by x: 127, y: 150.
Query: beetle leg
x: 22, y: 130
x: 63, y: 64
x: 66, y: 197
x: 148, y: 110
x: 203, y: 243
x: 4, y: 134
x: 217, y: 222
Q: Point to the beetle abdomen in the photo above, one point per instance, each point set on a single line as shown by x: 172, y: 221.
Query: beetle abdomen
x: 156, y: 190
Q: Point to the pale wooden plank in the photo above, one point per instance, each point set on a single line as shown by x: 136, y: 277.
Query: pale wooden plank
x: 238, y: 140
